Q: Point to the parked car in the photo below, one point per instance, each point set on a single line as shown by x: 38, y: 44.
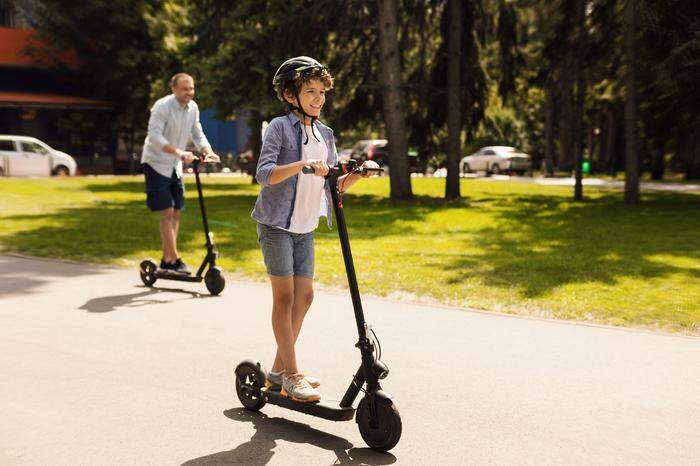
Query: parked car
x: 365, y: 150
x: 496, y: 159
x: 27, y: 156
x: 376, y: 149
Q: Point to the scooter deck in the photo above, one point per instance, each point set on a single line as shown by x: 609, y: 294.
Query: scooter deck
x: 325, y: 410
x: 178, y: 276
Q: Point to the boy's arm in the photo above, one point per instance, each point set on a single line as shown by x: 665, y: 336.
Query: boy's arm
x: 268, y: 172
x: 346, y: 181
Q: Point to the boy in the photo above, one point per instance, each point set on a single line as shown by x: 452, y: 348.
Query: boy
x: 288, y: 209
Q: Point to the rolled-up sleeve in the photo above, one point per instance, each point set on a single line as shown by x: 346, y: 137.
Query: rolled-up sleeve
x: 156, y: 126
x: 198, y: 138
x: 268, y: 155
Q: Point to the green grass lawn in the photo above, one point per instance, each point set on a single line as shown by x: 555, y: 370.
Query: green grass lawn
x: 507, y: 247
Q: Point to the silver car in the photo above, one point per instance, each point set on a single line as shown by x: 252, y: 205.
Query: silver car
x: 496, y: 159
x: 27, y: 156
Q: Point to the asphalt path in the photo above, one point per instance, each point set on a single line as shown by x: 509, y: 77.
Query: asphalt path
x: 97, y: 369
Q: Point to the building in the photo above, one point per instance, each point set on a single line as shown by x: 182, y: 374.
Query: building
x: 38, y: 100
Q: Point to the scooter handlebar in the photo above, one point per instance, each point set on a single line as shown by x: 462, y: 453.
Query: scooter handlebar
x: 342, y: 169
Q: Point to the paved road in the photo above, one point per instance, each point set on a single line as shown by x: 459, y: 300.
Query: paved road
x: 96, y: 369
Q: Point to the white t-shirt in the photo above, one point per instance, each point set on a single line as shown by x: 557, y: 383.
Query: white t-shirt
x: 310, y: 202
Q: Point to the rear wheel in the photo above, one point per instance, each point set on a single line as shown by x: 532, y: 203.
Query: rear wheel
x: 61, y: 171
x: 214, y: 280
x: 495, y: 169
x: 466, y: 168
x: 147, y: 270
x: 249, y: 381
x: 385, y: 432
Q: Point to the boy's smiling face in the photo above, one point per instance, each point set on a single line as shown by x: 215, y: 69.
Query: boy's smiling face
x: 312, y: 97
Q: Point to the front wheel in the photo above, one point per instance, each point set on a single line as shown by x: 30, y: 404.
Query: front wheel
x: 250, y: 378
x: 386, y: 431
x: 147, y: 270
x: 214, y: 280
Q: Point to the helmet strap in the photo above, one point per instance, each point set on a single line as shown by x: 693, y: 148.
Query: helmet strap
x: 313, y: 119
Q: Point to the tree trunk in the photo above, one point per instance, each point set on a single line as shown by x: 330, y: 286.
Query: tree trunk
x: 454, y: 117
x: 579, y: 38
x: 631, y: 157
x: 657, y: 164
x: 549, y: 130
x: 610, y: 143
x: 691, y: 157
x: 600, y: 148
x: 393, y: 103
x: 566, y: 123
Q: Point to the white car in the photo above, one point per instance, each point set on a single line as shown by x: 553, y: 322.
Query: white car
x: 496, y: 159
x: 27, y: 156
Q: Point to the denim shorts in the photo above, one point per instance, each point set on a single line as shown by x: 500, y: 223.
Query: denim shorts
x: 287, y: 253
x: 163, y: 192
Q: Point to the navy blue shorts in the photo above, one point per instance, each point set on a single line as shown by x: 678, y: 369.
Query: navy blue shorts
x: 163, y: 192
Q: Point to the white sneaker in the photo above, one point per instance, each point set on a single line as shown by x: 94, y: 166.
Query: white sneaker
x: 298, y: 389
x: 274, y: 380
x: 313, y: 381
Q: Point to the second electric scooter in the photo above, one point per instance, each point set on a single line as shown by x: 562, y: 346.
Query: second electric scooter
x: 376, y: 415
x: 213, y: 278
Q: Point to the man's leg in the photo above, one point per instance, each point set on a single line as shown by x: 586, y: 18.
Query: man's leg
x: 175, y: 225
x: 166, y: 235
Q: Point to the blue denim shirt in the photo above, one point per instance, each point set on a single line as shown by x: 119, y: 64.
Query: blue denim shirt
x: 282, y: 146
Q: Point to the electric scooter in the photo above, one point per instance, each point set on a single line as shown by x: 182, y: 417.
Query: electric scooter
x: 378, y: 419
x: 213, y: 278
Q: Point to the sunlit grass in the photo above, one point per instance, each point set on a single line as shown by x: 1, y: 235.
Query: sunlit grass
x: 516, y: 248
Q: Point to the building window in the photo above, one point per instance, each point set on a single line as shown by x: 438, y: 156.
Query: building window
x: 16, y: 13
x: 7, y: 13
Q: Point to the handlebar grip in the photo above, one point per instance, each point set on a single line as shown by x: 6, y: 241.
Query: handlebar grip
x: 370, y: 169
x: 308, y: 170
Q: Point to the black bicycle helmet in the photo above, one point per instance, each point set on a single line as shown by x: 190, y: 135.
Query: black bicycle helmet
x: 290, y: 70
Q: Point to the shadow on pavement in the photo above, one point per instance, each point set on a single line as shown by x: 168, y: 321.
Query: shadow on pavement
x: 22, y: 275
x: 268, y: 430
x: 132, y: 300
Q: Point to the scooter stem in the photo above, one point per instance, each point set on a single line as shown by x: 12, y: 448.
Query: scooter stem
x: 347, y: 257
x: 195, y: 166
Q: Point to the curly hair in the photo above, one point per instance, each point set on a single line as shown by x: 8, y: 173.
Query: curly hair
x: 305, y: 77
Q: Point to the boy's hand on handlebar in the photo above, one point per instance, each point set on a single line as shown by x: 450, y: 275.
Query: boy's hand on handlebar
x: 320, y: 167
x: 369, y: 164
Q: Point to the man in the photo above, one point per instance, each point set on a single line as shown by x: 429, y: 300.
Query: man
x: 174, y: 120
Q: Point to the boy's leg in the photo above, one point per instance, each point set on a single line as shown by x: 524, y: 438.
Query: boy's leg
x: 166, y: 235
x: 282, y: 303
x: 303, y: 296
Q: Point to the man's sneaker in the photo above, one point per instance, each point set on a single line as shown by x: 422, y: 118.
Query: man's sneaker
x: 164, y: 266
x: 298, y: 389
x: 179, y: 267
x: 274, y: 380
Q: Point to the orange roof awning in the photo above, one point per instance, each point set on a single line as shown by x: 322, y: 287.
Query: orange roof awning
x: 15, y: 44
x: 31, y: 99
